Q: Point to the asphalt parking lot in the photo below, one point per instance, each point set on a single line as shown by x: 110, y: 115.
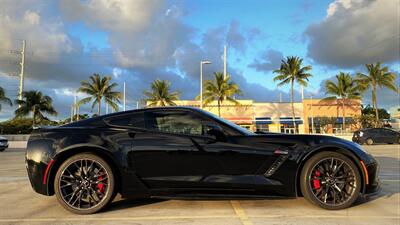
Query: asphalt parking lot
x: 20, y: 205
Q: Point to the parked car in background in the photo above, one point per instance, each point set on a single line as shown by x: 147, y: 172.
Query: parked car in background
x: 376, y: 135
x: 3, y: 143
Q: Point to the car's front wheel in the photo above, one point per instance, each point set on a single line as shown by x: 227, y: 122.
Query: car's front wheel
x: 330, y: 180
x: 84, y: 184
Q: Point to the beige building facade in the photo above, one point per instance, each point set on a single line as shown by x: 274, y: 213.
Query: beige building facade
x: 311, y: 115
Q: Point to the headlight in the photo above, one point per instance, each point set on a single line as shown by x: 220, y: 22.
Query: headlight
x: 361, y: 133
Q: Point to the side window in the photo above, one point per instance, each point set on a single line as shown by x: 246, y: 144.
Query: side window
x: 128, y: 120
x: 177, y: 122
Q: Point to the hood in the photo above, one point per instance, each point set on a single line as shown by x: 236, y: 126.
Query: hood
x: 2, y: 138
x: 308, y: 139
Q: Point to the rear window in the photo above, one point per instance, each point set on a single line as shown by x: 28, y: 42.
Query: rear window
x: 135, y: 120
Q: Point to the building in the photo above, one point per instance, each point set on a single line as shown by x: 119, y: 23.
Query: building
x: 311, y: 115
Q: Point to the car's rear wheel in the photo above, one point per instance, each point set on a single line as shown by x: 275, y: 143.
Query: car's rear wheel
x: 330, y: 180
x: 369, y: 141
x: 84, y: 184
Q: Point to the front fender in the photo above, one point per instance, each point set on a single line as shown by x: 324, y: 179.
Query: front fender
x: 350, y: 149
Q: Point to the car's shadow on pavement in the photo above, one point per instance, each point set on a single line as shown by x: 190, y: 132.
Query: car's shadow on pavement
x: 130, y: 203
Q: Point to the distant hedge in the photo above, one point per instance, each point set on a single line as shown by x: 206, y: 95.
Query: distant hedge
x: 16, y: 126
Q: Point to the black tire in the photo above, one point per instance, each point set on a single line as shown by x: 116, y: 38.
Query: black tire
x: 89, y: 180
x: 369, y: 141
x: 2, y: 150
x: 349, y: 192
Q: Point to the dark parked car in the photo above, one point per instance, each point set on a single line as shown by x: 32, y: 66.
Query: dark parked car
x: 376, y: 135
x: 181, y: 152
x: 3, y: 143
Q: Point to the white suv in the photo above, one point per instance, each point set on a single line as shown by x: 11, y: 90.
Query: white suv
x: 3, y: 143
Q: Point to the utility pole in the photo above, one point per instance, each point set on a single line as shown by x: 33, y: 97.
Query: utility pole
x: 21, y: 75
x: 72, y: 113
x: 106, y: 108
x: 280, y: 97
x: 124, y: 97
x: 137, y: 104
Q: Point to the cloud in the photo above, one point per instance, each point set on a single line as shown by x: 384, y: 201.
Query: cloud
x: 115, y: 15
x: 356, y: 32
x: 267, y: 61
x: 146, y: 40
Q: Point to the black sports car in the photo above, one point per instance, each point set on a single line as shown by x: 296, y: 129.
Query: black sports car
x: 181, y: 152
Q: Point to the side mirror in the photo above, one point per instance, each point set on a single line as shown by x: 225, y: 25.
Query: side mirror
x: 215, y: 131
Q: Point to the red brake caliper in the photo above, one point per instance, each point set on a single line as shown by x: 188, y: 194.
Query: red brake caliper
x: 316, y: 182
x: 100, y: 186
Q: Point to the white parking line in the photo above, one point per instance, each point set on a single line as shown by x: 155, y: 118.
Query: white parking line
x: 243, y: 217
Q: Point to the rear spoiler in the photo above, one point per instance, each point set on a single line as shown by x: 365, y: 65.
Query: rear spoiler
x: 39, y: 128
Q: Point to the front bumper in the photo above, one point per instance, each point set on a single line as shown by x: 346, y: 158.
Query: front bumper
x: 374, y: 184
x: 3, y: 145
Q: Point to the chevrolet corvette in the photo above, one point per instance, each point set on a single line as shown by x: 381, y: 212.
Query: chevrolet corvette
x: 184, y: 152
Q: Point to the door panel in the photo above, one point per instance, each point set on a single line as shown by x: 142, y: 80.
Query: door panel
x: 238, y: 162
x: 170, y: 161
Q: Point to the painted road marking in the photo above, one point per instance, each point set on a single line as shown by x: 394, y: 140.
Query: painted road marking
x: 241, y: 213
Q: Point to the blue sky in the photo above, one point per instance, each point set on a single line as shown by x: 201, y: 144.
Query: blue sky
x: 142, y: 40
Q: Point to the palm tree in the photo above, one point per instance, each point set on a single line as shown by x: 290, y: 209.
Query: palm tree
x: 99, y: 88
x: 377, y: 76
x: 291, y: 71
x: 344, y: 88
x: 219, y: 90
x: 36, y: 103
x: 160, y: 94
x: 3, y: 98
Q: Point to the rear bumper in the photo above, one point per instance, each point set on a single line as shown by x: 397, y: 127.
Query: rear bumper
x: 38, y: 158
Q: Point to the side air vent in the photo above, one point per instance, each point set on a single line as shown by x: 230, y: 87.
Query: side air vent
x: 278, y: 162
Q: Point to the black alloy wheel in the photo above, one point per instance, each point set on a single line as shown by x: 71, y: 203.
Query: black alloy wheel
x: 84, y: 184
x: 331, y: 180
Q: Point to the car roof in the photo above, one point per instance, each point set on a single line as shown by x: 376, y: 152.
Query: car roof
x: 102, y: 117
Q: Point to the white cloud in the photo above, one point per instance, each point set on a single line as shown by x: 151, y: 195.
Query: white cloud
x: 116, y: 15
x: 356, y: 32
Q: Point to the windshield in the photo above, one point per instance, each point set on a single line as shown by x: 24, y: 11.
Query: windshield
x: 229, y: 123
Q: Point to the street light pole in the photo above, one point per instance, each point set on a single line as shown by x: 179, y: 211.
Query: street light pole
x: 201, y: 81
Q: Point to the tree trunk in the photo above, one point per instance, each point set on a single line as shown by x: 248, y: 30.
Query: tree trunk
x: 219, y: 108
x: 375, y: 104
x: 292, y: 101
x: 343, y: 115
x: 99, y: 105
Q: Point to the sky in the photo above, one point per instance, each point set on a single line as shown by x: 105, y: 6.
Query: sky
x: 139, y: 41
